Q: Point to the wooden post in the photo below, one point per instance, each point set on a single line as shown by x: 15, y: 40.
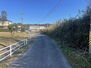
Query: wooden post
x: 26, y: 41
x: 10, y: 50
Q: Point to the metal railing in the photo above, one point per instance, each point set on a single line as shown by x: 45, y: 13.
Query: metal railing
x: 11, y: 49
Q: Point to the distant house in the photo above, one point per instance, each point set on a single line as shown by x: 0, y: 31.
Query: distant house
x: 4, y: 23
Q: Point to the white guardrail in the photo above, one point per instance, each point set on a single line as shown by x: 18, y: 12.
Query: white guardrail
x: 11, y: 49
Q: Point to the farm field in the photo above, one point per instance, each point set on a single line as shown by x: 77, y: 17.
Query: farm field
x: 6, y: 38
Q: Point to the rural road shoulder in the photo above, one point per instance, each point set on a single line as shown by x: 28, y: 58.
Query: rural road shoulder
x: 44, y: 53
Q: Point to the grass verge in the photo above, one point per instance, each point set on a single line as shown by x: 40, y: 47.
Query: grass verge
x: 78, y: 59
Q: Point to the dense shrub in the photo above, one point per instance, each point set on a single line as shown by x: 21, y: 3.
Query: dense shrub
x: 74, y: 32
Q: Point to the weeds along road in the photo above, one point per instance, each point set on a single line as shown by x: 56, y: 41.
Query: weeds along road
x: 44, y: 53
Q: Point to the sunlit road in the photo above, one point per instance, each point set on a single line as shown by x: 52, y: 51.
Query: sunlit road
x: 44, y: 53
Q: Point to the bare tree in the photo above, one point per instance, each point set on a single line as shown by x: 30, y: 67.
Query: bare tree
x: 4, y: 15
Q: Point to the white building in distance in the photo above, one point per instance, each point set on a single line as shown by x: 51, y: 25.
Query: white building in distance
x: 35, y: 27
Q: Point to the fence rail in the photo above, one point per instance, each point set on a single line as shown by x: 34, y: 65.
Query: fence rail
x: 11, y: 49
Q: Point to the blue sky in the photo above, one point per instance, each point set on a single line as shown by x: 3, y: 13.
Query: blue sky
x: 35, y: 11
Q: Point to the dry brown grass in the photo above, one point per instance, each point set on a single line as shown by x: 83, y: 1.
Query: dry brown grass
x: 6, y: 38
x: 8, y: 34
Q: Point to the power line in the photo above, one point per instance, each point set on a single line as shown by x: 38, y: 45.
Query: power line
x: 51, y: 11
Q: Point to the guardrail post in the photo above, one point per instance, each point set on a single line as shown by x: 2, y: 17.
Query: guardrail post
x: 10, y: 50
x: 26, y: 41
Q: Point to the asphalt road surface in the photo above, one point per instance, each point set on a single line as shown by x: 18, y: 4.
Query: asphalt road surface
x: 44, y: 53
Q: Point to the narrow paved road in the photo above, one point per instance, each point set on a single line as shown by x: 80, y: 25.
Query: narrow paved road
x: 44, y: 53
